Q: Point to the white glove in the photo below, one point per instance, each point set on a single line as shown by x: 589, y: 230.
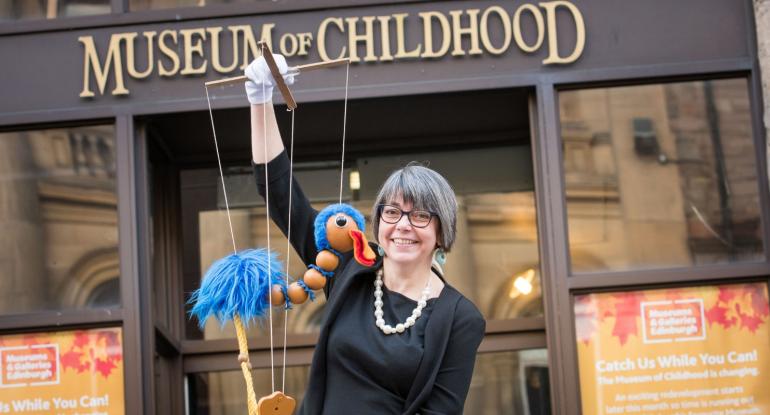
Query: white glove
x: 259, y: 87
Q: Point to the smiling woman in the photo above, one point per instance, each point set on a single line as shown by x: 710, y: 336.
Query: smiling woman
x: 426, y: 191
x: 408, y: 237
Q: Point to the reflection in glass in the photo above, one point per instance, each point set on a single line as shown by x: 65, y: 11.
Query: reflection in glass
x: 660, y: 175
x: 51, y: 9
x: 167, y: 4
x: 514, y: 382
x: 495, y: 259
x: 58, y: 216
x: 224, y: 393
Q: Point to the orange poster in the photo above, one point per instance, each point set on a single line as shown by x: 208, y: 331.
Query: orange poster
x: 69, y: 373
x: 683, y: 351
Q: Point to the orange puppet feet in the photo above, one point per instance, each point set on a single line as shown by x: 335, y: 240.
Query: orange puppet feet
x: 276, y: 404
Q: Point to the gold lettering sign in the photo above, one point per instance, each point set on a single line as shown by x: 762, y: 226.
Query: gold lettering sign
x: 458, y: 33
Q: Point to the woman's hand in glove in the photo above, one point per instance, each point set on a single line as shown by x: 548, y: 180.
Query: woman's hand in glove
x: 259, y: 87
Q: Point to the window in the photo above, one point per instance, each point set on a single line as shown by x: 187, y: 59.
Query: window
x: 73, y: 371
x: 494, y: 262
x: 514, y: 382
x: 660, y: 175
x: 637, y: 349
x: 168, y: 4
x: 225, y: 392
x: 51, y: 9
x: 503, y: 382
x: 58, y: 214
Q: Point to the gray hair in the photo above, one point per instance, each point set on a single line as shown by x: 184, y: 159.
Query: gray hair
x: 424, y: 189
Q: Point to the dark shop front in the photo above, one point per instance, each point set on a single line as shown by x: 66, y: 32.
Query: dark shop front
x: 609, y: 160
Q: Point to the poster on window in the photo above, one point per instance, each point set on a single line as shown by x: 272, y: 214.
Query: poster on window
x: 66, y: 373
x: 682, y: 351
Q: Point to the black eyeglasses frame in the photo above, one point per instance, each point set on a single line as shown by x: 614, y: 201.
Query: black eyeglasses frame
x: 408, y: 213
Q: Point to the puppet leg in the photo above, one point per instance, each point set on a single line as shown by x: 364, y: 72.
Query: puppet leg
x: 243, y: 357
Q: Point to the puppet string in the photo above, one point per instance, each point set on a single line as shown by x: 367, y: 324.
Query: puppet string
x: 288, y: 247
x: 221, y: 172
x: 267, y: 231
x: 344, y: 126
x: 243, y: 357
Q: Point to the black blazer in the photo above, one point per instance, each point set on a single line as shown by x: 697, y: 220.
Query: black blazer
x: 452, y: 335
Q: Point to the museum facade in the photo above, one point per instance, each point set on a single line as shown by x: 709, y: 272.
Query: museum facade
x: 609, y: 160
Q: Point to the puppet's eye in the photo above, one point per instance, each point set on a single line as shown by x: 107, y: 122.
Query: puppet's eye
x: 341, y: 221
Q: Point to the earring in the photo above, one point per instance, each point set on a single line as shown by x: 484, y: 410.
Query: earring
x: 440, y: 256
x: 380, y: 250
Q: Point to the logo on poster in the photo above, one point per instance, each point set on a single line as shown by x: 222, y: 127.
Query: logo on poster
x: 673, y: 321
x: 29, y: 365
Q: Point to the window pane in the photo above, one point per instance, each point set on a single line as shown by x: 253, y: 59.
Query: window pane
x: 58, y: 218
x: 660, y: 175
x: 51, y: 9
x: 514, y: 382
x: 224, y: 393
x: 63, y: 372
x: 495, y: 259
x: 167, y: 4
x: 637, y: 350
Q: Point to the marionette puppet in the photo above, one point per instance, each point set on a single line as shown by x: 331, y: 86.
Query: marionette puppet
x: 242, y: 287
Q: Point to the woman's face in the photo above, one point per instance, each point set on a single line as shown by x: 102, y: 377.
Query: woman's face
x: 405, y: 243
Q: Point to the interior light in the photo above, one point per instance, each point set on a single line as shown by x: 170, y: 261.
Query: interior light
x: 355, y: 180
x: 524, y: 286
x: 522, y: 283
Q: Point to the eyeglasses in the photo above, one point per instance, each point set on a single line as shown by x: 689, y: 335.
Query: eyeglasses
x: 418, y: 218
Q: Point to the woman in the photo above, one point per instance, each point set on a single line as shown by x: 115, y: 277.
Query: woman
x: 396, y: 338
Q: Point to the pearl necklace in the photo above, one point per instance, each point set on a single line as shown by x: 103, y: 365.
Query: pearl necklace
x: 400, y: 327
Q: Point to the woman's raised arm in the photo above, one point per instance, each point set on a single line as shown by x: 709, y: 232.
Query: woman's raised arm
x: 286, y: 199
x: 264, y: 133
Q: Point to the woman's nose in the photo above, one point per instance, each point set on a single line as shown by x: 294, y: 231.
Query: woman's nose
x: 403, y: 223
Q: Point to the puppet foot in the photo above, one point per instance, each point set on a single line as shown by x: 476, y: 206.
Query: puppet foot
x: 276, y: 404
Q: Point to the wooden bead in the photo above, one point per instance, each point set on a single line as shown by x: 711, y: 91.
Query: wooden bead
x: 327, y: 260
x: 314, y: 279
x: 277, y: 296
x: 297, y: 294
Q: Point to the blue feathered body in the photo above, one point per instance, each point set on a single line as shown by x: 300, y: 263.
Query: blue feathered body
x: 321, y: 242
x: 237, y: 284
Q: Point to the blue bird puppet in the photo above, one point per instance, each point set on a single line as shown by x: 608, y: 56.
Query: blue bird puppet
x: 338, y: 229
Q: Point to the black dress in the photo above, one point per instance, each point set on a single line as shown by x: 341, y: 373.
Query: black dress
x: 357, y: 369
x: 367, y: 369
